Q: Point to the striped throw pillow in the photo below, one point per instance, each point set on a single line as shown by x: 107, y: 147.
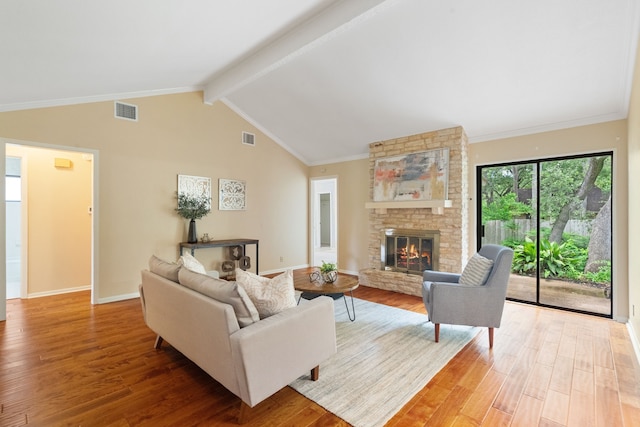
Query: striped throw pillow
x: 476, y: 271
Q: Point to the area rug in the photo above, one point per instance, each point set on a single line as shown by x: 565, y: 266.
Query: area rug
x: 384, y: 358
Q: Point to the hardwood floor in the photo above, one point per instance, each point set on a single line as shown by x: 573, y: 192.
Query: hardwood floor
x: 66, y: 362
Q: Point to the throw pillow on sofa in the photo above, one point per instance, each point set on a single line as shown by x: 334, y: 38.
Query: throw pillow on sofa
x: 270, y: 296
x: 168, y: 270
x: 188, y: 261
x: 223, y: 291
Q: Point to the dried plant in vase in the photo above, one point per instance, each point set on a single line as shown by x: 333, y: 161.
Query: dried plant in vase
x: 192, y: 208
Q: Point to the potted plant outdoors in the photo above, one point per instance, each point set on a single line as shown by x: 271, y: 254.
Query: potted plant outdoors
x: 329, y: 272
x: 192, y: 208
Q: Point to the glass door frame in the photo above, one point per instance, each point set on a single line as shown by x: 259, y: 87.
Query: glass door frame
x: 537, y: 163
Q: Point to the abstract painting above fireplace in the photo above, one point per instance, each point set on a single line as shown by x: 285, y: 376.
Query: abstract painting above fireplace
x: 412, y: 176
x: 409, y: 251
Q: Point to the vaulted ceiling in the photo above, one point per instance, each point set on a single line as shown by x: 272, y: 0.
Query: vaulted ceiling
x: 325, y: 78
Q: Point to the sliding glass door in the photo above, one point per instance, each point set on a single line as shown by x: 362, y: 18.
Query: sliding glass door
x: 556, y: 215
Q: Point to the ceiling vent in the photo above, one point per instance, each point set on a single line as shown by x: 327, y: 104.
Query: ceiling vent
x: 126, y: 111
x: 248, y: 138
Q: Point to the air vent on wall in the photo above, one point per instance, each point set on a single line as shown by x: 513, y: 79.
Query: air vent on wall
x: 126, y: 111
x: 248, y: 138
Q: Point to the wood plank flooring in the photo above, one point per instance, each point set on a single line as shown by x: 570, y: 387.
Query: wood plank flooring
x: 64, y: 362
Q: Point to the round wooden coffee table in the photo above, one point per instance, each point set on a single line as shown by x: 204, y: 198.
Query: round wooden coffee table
x: 344, y: 283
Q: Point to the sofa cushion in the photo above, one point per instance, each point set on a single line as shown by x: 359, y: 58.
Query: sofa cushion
x: 223, y: 291
x: 168, y: 270
x: 476, y: 271
x: 270, y: 296
x: 188, y: 261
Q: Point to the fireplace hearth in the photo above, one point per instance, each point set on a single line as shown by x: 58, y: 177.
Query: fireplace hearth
x: 409, y: 251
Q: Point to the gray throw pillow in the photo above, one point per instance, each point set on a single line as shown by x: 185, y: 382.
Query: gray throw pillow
x: 476, y: 271
x: 223, y: 291
x: 168, y: 270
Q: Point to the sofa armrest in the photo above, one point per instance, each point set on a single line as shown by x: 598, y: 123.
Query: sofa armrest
x: 275, y: 351
x: 440, y: 276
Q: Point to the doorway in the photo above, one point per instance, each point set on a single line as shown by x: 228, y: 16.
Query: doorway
x: 556, y: 214
x: 13, y: 244
x: 61, y: 183
x: 324, y: 221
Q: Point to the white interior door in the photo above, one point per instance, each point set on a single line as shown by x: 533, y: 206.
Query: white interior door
x: 324, y: 219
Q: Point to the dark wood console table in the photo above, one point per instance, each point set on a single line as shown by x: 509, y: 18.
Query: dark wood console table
x: 221, y: 243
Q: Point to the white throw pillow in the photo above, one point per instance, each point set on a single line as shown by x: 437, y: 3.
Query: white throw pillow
x: 270, y: 296
x: 223, y: 291
x: 476, y: 271
x: 190, y: 263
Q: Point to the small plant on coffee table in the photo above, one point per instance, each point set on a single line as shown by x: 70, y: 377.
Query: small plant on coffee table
x: 329, y: 272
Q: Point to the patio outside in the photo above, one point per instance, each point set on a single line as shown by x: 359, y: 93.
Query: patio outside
x: 561, y: 293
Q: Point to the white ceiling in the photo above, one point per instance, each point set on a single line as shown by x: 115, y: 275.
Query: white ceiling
x: 325, y: 78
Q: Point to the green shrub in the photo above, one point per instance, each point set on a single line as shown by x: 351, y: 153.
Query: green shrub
x: 511, y: 243
x: 578, y: 240
x: 552, y: 258
x: 566, y: 260
x: 603, y: 275
x: 524, y: 257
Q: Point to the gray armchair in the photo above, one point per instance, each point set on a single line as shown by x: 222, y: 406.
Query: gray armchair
x: 450, y: 302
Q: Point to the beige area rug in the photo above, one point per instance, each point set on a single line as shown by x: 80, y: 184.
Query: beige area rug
x: 384, y: 358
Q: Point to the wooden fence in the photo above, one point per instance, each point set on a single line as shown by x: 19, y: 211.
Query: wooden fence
x: 499, y: 231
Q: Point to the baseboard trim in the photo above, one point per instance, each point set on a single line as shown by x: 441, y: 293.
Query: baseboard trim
x: 117, y: 298
x: 58, y: 292
x: 634, y: 340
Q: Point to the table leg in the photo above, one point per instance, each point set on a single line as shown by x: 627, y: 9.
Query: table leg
x: 353, y: 307
x: 350, y: 313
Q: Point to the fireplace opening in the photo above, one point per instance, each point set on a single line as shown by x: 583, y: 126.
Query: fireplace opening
x: 409, y: 251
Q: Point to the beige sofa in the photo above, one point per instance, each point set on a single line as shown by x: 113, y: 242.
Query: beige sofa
x: 253, y: 361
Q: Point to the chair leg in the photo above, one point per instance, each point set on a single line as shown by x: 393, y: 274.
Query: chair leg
x: 437, y: 332
x: 490, y: 337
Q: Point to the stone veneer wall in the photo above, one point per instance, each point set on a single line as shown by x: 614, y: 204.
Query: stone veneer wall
x: 453, y: 224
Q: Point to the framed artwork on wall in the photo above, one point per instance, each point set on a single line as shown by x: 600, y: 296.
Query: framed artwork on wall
x: 415, y: 176
x: 195, y: 186
x: 232, y: 195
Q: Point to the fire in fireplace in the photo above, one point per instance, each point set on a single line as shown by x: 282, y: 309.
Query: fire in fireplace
x: 409, y: 251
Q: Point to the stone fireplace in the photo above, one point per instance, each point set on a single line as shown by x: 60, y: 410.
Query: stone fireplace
x: 447, y: 219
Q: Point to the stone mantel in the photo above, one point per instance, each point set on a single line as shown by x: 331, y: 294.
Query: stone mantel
x: 436, y: 206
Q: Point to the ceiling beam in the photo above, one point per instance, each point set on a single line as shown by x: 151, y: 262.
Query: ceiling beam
x: 327, y: 24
